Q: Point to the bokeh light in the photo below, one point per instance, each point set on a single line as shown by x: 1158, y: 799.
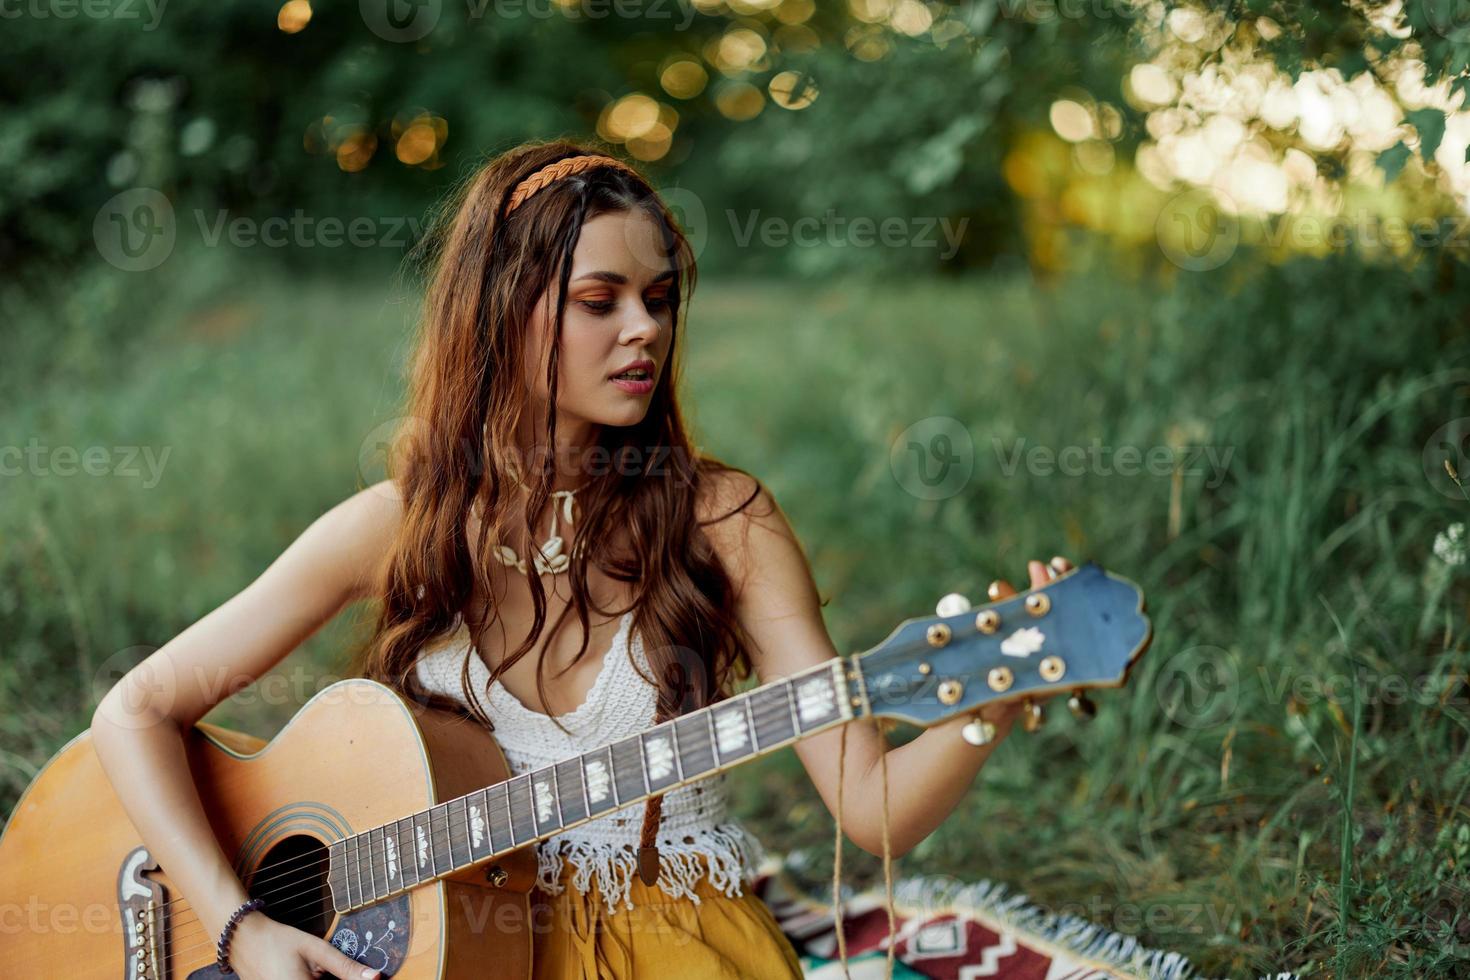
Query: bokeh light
x: 293, y: 16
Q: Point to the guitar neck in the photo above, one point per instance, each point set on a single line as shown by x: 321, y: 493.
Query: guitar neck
x: 468, y: 830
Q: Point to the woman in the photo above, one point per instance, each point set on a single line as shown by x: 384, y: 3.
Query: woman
x: 547, y: 476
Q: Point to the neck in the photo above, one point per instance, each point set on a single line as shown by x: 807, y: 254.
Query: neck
x: 569, y: 457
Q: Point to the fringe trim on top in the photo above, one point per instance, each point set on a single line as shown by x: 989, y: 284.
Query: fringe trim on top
x: 725, y: 854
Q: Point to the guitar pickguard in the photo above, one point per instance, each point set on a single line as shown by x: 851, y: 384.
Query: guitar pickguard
x: 376, y: 936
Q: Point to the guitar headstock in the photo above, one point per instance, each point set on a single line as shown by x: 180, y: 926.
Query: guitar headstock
x: 1084, y: 629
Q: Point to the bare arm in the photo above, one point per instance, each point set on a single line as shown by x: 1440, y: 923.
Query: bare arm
x: 137, y: 729
x: 779, y: 607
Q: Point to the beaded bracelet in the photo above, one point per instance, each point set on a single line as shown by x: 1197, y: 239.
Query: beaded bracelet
x: 222, y: 962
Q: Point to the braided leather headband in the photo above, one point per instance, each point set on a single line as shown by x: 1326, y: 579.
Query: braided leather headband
x: 553, y: 172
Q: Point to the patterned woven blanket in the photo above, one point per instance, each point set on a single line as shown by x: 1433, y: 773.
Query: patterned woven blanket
x: 948, y: 931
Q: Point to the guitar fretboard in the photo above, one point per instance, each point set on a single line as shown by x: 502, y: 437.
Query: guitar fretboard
x: 372, y: 865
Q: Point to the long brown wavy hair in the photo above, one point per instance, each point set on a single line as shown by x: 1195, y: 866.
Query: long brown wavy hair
x: 456, y: 447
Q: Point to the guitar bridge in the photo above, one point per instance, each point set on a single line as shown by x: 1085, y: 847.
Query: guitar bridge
x: 143, y: 907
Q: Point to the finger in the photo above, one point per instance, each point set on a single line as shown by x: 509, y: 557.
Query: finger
x: 328, y: 957
x: 1000, y: 589
x: 1038, y: 573
x: 1060, y: 565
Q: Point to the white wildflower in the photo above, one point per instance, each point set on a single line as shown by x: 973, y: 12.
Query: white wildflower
x: 1449, y: 545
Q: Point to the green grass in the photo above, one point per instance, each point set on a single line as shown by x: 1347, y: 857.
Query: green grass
x: 1264, y: 826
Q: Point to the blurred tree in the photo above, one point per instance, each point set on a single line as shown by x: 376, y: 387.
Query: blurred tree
x: 872, y: 108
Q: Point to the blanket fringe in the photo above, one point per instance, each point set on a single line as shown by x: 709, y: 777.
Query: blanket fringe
x: 931, y: 895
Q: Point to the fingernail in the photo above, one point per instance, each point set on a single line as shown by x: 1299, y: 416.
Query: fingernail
x: 368, y: 974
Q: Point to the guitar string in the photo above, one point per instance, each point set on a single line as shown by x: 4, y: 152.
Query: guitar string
x: 373, y: 866
x: 785, y: 703
x: 313, y: 888
x: 313, y: 891
x: 767, y: 712
x: 762, y: 715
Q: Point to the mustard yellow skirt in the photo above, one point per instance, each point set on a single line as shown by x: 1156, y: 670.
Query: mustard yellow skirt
x: 577, y: 936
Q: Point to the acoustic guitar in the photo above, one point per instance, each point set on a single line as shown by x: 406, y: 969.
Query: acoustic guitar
x: 398, y: 831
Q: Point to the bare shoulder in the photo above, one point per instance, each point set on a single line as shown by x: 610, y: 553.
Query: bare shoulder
x: 360, y: 530
x: 742, y: 520
x: 375, y: 510
x: 732, y: 498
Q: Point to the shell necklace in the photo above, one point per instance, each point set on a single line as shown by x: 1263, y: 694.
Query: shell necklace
x: 550, y: 557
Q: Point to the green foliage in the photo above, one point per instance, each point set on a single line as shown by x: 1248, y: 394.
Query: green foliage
x: 1314, y: 823
x: 1299, y: 557
x: 220, y: 109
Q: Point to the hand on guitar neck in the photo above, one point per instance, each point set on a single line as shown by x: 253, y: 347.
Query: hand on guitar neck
x: 1005, y: 714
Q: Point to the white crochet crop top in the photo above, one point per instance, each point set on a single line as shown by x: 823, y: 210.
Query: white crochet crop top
x: 621, y: 703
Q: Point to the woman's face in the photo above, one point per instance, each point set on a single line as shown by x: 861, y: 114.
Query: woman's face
x: 618, y: 317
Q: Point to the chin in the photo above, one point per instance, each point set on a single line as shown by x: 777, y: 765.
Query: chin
x: 626, y: 415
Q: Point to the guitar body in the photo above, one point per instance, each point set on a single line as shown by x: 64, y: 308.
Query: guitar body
x: 77, y: 886
x: 397, y: 831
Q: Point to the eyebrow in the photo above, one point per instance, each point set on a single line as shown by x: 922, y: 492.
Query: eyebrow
x: 617, y: 278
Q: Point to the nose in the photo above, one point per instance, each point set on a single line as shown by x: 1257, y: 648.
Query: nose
x: 640, y: 327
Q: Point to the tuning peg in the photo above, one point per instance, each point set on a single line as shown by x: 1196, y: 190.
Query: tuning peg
x: 1081, y: 706
x: 952, y: 605
x: 978, y: 732
x: 1032, y: 715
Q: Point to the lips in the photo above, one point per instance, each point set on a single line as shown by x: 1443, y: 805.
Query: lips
x: 639, y: 370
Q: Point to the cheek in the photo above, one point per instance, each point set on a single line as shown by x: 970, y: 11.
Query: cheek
x: 585, y: 359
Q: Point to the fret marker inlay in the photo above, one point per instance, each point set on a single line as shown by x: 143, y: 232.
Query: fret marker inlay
x: 423, y: 847
x: 660, y: 757
x: 543, y: 801
x: 730, y: 732
x: 477, y: 827
x: 392, y: 857
x: 814, y: 700
x: 598, y: 780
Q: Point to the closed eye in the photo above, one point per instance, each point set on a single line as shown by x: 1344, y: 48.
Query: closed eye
x: 601, y: 306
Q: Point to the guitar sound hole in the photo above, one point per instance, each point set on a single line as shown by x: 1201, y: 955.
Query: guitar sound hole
x: 292, y: 878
